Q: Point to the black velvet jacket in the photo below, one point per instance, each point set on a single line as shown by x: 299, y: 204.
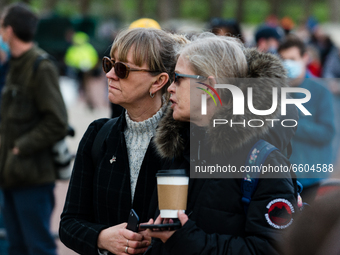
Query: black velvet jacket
x: 100, y: 196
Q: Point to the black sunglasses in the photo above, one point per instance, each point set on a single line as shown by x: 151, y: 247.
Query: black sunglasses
x: 122, y: 70
x: 178, y: 75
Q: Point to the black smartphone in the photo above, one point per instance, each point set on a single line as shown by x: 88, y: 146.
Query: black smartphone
x: 133, y: 221
x: 167, y: 226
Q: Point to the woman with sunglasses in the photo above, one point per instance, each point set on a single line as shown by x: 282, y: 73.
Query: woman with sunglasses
x: 219, y: 219
x: 119, y: 175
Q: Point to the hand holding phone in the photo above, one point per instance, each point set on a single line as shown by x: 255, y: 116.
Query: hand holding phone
x: 168, y: 226
x: 133, y: 221
x: 163, y: 233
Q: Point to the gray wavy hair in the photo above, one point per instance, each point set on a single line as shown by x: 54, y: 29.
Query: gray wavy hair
x: 218, y: 56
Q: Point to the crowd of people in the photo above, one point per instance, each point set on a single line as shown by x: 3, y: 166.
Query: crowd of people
x: 306, y: 60
x: 152, y: 75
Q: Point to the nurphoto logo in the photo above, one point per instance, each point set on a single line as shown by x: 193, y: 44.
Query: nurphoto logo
x: 239, y: 103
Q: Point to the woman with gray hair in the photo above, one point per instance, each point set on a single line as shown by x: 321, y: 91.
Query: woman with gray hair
x: 115, y: 165
x: 223, y: 218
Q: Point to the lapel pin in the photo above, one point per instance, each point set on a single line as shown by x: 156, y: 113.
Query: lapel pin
x: 113, y: 159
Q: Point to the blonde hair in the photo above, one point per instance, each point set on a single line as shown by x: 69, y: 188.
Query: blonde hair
x: 154, y: 47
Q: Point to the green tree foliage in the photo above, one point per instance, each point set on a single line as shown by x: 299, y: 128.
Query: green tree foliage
x: 253, y: 11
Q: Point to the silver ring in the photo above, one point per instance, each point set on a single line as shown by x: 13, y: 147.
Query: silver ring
x: 126, y: 249
x: 127, y: 242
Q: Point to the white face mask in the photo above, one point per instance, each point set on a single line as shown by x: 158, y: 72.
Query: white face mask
x: 294, y: 68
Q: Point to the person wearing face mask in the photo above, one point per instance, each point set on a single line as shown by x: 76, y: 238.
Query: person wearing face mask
x: 4, y: 57
x: 312, y: 143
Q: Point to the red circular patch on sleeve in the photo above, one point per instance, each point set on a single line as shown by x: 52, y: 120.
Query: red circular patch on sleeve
x: 280, y: 213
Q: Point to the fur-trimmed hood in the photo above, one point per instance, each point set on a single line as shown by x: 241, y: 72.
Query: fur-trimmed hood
x: 225, y: 139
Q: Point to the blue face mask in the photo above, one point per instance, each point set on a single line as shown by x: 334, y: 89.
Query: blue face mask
x: 294, y: 68
x: 4, y: 46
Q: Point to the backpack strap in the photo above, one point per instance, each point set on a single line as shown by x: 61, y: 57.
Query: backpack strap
x: 256, y: 157
x: 37, y: 62
x: 41, y: 58
x: 100, y: 138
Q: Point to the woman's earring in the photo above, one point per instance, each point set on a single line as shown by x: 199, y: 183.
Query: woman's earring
x: 152, y: 95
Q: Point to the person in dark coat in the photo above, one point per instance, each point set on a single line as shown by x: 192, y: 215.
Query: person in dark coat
x: 33, y: 119
x: 216, y: 221
x: 103, y: 190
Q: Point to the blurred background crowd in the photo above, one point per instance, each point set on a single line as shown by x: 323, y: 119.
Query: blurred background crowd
x: 86, y: 28
x: 69, y: 29
x: 78, y: 34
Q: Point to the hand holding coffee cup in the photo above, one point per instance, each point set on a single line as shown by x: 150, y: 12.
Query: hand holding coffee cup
x: 172, y: 188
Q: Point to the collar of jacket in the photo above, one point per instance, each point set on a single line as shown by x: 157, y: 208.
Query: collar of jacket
x: 170, y: 141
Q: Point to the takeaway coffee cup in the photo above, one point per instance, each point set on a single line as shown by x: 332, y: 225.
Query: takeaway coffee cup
x: 172, y: 187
